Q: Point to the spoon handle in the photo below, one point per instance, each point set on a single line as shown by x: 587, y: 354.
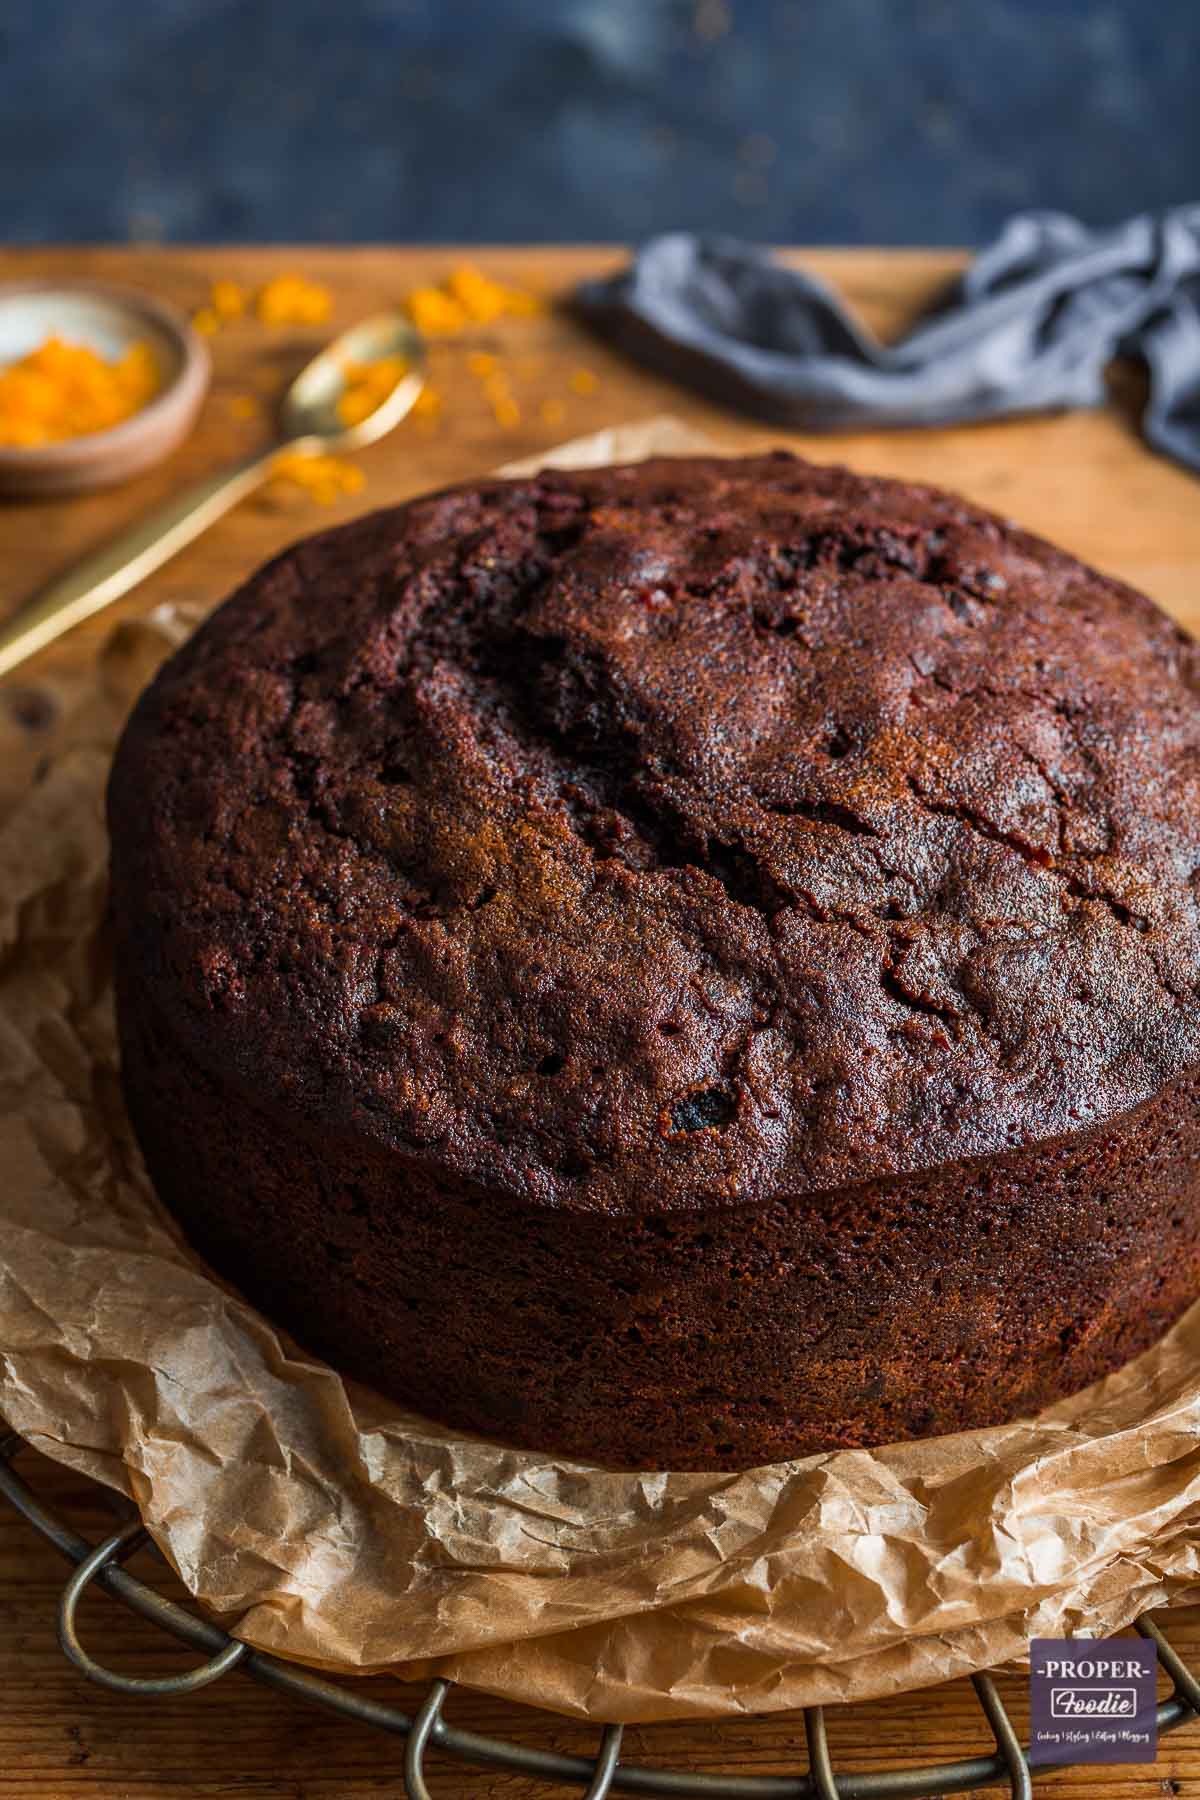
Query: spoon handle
x: 128, y: 558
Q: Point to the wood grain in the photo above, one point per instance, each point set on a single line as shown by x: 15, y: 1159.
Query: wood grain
x: 1083, y: 479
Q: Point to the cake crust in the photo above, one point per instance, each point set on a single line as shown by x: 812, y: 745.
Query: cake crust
x: 751, y: 902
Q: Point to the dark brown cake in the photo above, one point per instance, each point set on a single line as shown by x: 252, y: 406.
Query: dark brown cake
x: 684, y: 964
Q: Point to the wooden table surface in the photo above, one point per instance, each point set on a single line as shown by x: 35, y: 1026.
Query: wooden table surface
x: 1083, y: 479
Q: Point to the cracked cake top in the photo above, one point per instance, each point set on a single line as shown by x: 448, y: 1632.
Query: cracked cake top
x: 699, y: 829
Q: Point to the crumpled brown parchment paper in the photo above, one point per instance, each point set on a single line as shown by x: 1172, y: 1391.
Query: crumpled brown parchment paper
x: 346, y: 1533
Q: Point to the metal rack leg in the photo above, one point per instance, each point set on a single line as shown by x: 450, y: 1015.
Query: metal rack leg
x: 820, y: 1766
x: 424, y: 1727
x: 1007, y: 1741
x: 1184, y: 1682
x: 606, y: 1763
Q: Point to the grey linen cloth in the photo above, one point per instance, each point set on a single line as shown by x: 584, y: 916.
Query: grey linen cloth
x: 1028, y: 327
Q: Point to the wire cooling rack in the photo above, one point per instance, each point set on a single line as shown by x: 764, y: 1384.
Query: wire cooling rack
x: 595, y: 1776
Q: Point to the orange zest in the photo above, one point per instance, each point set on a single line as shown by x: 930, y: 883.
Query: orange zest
x: 320, y: 478
x: 63, y: 390
x: 293, y: 300
x: 227, y: 300
x: 368, y: 386
x: 468, y: 297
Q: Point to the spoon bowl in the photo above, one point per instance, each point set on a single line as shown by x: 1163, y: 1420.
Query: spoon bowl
x: 309, y: 409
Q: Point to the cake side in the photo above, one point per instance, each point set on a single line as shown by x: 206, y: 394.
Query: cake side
x: 717, y: 1337
x: 673, y: 836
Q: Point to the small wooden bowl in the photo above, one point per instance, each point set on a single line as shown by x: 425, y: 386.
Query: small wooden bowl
x: 108, y: 320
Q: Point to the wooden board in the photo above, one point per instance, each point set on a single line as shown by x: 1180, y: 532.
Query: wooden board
x: 1083, y: 479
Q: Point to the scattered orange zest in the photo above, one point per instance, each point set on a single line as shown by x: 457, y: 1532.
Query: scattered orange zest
x: 293, y: 300
x: 434, y: 312
x: 505, y: 411
x: 284, y: 300
x: 428, y: 404
x: 324, y: 479
x: 228, y: 300
x: 502, y: 400
x: 468, y: 297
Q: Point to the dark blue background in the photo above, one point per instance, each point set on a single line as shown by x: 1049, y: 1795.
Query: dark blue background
x: 887, y: 121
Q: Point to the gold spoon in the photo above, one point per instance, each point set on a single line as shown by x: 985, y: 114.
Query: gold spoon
x: 308, y: 422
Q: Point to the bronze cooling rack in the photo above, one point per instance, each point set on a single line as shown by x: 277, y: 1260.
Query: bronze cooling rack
x: 592, y: 1777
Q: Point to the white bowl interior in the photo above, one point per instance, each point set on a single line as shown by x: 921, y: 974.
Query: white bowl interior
x: 102, y: 323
